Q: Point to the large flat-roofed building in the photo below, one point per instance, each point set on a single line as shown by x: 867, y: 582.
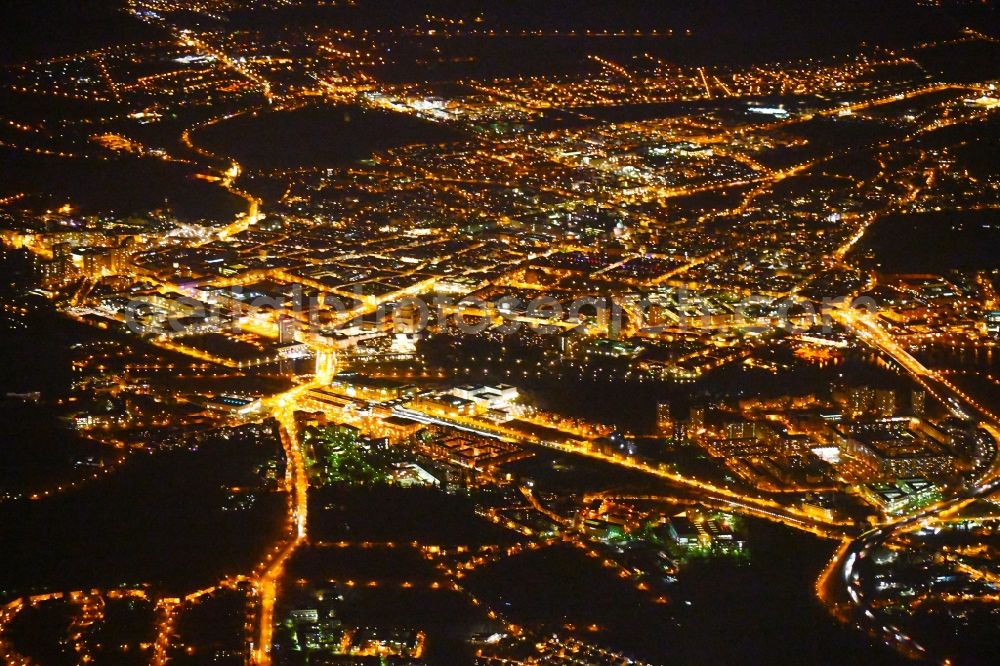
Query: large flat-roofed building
x: 398, y: 428
x: 468, y: 450
x: 447, y: 405
x: 670, y: 309
x: 901, y: 496
x: 897, y: 447
x: 325, y: 399
x: 491, y: 397
x: 376, y: 389
x: 232, y: 404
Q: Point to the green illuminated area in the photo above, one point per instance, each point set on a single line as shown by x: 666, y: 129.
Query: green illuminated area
x: 339, y: 454
x: 329, y: 328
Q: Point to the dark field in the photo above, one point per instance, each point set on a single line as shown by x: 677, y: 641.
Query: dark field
x: 315, y: 136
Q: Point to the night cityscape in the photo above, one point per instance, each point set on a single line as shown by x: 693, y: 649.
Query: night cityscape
x: 454, y: 332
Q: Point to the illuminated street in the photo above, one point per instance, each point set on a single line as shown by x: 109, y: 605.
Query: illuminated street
x: 455, y: 332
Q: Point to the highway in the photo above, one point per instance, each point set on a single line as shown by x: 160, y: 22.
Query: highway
x: 760, y: 507
x: 865, y: 326
x: 266, y: 583
x: 839, y: 586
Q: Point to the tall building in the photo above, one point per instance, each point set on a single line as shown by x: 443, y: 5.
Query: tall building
x: 739, y: 430
x: 62, y: 259
x: 680, y: 433
x: 697, y: 419
x: 62, y: 252
x: 409, y: 318
x: 885, y: 402
x: 860, y: 400
x: 99, y: 261
x: 286, y: 330
x: 664, y: 419
x: 918, y: 403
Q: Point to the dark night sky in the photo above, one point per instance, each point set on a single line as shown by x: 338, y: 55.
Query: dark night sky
x: 35, y: 28
x: 759, y: 29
